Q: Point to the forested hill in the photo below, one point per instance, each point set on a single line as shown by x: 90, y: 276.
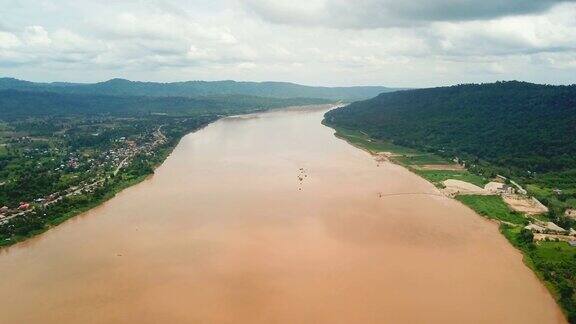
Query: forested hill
x: 519, y: 125
x: 16, y: 104
x: 198, y: 88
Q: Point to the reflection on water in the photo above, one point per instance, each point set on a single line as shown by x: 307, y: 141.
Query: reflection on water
x: 229, y: 230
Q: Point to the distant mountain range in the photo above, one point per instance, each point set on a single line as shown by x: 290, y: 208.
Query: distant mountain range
x: 122, y: 87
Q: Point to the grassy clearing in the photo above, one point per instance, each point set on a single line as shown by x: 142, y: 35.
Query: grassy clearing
x: 438, y: 176
x: 538, y: 191
x: 512, y: 233
x: 556, y: 252
x: 362, y: 140
x: 492, y: 207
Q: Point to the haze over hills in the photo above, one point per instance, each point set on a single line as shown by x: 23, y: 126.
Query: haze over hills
x: 199, y: 88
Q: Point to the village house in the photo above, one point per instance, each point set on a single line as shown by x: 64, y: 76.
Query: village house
x: 24, y: 206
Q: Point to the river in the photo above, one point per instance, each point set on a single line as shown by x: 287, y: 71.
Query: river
x: 269, y: 218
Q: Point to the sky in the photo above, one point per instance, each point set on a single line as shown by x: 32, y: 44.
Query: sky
x: 408, y: 43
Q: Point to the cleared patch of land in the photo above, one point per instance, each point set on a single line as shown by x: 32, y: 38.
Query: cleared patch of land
x: 523, y: 204
x: 442, y: 167
x: 457, y: 187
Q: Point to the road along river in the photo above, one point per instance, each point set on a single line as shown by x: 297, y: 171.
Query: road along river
x: 269, y: 218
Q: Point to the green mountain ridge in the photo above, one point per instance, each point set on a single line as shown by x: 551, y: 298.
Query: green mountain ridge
x: 520, y: 125
x: 199, y: 88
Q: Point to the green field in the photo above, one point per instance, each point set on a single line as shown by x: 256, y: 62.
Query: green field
x: 438, y: 176
x: 363, y: 141
x: 492, y: 207
x: 556, y: 252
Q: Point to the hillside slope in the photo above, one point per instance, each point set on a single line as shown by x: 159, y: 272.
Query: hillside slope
x: 519, y: 125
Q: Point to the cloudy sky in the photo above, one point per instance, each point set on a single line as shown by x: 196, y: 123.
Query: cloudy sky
x: 404, y: 43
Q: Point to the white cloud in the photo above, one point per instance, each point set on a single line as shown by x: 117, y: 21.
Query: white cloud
x: 36, y: 36
x: 198, y: 54
x: 410, y: 43
x: 552, y: 32
x: 9, y: 40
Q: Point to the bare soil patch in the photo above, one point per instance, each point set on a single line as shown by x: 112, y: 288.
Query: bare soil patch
x: 528, y: 205
x: 457, y: 187
x: 448, y: 167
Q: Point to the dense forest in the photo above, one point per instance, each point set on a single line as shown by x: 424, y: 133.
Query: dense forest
x: 21, y: 104
x: 121, y: 87
x: 526, y: 127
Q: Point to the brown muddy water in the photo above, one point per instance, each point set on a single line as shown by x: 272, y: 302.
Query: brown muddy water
x: 225, y: 232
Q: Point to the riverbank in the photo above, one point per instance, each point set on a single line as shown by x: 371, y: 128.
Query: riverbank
x: 43, y: 217
x: 116, y: 183
x: 552, y: 262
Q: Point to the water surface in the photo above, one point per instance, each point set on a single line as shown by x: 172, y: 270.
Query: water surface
x: 225, y: 232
